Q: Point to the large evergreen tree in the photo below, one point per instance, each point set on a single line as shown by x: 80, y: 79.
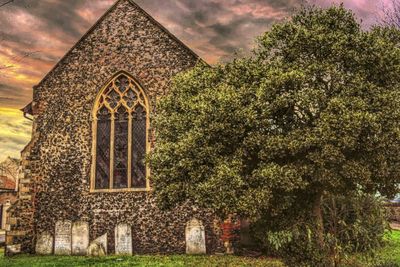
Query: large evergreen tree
x: 315, y: 110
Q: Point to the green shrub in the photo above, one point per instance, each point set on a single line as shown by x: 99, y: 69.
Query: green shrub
x: 352, y: 224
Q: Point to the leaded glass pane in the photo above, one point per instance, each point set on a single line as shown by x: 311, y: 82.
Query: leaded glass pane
x: 113, y: 99
x: 102, y: 180
x: 130, y: 98
x: 139, y: 148
x: 122, y: 83
x: 121, y: 149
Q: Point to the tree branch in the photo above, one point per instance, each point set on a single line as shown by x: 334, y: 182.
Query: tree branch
x: 391, y: 15
x: 18, y: 59
x: 6, y: 67
x: 6, y: 3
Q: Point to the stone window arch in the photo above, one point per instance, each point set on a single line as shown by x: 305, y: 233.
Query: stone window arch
x: 120, y: 136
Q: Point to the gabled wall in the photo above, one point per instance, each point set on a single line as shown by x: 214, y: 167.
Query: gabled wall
x: 124, y: 39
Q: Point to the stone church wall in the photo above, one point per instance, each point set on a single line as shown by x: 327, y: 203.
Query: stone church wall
x: 125, y: 39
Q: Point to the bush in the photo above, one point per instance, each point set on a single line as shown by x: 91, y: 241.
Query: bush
x: 352, y: 224
x: 355, y: 223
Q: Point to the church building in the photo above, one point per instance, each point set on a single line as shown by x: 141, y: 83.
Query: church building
x: 92, y: 128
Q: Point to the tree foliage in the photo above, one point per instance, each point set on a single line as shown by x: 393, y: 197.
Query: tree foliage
x: 314, y: 110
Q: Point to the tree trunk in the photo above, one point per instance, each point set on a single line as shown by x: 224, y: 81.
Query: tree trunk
x: 317, y: 213
x: 319, y: 223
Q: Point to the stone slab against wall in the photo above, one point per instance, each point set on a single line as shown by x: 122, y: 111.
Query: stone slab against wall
x: 44, y: 244
x: 13, y: 249
x: 195, y: 237
x: 123, y: 239
x: 62, y: 238
x: 80, y: 237
x: 103, y: 241
x: 98, y: 247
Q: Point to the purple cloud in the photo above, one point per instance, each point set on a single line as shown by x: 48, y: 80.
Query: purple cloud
x: 35, y: 34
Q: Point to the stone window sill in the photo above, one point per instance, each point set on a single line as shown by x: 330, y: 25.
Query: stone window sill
x: 120, y: 190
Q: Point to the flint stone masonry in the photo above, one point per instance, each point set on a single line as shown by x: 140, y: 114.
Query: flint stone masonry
x: 80, y: 238
x: 44, y: 244
x: 62, y: 238
x: 195, y: 237
x: 58, y: 159
x: 123, y: 239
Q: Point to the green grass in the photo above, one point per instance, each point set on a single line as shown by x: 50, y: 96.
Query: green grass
x: 389, y: 256
x: 165, y: 261
x: 391, y: 252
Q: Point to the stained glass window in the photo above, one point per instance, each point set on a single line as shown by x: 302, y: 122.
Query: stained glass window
x: 103, y: 149
x: 139, y: 147
x: 121, y: 148
x: 120, y: 125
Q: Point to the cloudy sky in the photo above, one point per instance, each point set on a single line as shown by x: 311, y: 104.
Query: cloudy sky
x: 35, y: 34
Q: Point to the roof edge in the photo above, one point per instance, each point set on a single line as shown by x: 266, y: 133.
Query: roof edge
x: 164, y: 29
x: 27, y: 109
x: 91, y: 29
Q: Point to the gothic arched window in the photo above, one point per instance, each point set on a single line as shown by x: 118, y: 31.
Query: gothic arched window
x: 120, y: 141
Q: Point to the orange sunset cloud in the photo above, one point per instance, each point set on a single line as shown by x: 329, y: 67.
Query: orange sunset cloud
x: 35, y: 34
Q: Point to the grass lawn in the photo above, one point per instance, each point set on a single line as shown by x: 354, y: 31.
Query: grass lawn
x: 175, y: 260
x: 389, y: 256
x: 391, y: 253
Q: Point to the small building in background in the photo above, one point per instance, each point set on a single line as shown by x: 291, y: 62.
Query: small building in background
x: 8, y: 192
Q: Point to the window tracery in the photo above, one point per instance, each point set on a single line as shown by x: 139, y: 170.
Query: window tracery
x: 120, y: 128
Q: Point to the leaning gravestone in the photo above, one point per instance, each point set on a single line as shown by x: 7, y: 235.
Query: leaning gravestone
x: 13, y: 249
x: 44, y: 244
x: 103, y: 241
x: 80, y: 237
x: 98, y: 247
x: 123, y: 239
x: 195, y: 237
x: 96, y: 250
x: 62, y: 238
